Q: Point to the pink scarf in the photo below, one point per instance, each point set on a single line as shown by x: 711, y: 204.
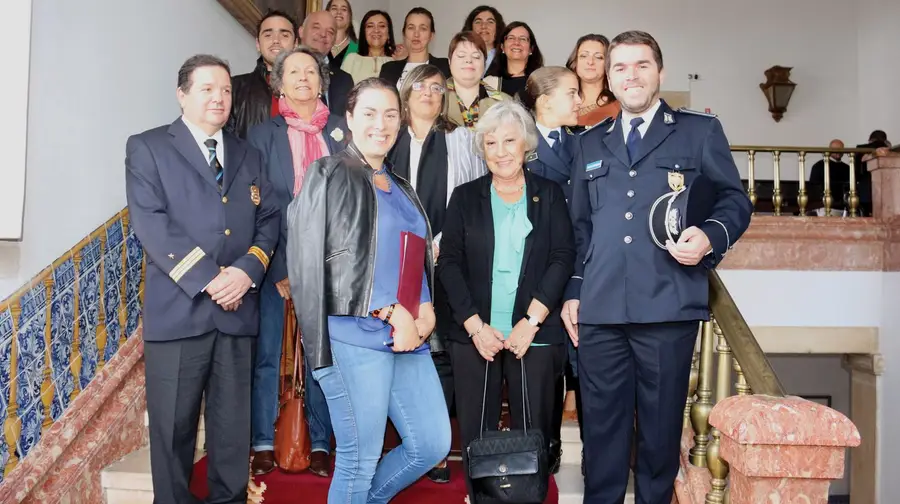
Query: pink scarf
x: 307, y: 143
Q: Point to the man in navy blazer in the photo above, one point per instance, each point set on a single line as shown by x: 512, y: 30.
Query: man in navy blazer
x: 202, y: 207
x: 634, y: 307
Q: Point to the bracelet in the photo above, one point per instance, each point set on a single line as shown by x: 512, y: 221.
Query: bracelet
x: 387, y: 319
x: 476, y: 333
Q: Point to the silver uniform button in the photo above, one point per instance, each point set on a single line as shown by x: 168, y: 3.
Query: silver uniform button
x: 632, y: 174
x: 630, y: 193
x: 627, y: 239
x: 591, y: 176
x: 628, y: 215
x: 569, y: 182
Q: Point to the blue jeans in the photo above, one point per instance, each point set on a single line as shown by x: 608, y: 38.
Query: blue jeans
x: 264, y: 396
x: 363, y: 388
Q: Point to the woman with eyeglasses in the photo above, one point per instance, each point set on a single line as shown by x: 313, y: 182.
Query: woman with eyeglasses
x: 435, y: 156
x: 519, y: 56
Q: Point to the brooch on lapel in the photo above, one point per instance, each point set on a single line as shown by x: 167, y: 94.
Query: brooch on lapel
x: 337, y: 134
x: 254, y: 194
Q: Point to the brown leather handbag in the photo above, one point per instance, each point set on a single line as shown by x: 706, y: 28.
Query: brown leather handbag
x: 292, y: 443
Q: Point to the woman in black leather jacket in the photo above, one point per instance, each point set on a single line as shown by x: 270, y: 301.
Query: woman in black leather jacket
x: 370, y: 353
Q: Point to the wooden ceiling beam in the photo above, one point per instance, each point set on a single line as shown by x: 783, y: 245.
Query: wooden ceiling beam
x: 245, y: 12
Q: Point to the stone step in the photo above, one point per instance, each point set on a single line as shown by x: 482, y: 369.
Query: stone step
x: 128, y: 481
x: 571, y: 444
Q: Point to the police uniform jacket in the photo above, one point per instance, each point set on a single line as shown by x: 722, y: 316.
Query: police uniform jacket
x: 621, y: 276
x: 190, y: 229
x: 545, y: 162
x: 271, y: 139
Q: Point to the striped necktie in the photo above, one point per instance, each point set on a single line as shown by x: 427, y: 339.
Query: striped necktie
x: 214, y: 163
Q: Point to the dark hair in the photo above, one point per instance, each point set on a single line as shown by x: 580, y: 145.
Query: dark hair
x: 186, y: 72
x: 419, y: 10
x: 351, y: 31
x: 499, y: 66
x: 571, y: 64
x: 498, y: 20
x: 635, y: 37
x: 419, y: 74
x: 366, y: 84
x: 470, y: 37
x: 878, y: 136
x: 277, y: 13
x: 542, y: 82
x: 389, y: 47
x: 276, y: 78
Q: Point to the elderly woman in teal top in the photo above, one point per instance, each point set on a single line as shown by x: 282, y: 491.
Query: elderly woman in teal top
x: 506, y: 254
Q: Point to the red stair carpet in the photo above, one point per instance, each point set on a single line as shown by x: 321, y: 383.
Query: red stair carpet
x: 307, y: 488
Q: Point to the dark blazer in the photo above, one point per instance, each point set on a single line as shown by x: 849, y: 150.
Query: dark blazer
x: 393, y: 70
x: 271, y: 138
x: 556, y: 167
x: 466, y: 260
x: 190, y: 229
x: 611, y: 199
x: 338, y: 88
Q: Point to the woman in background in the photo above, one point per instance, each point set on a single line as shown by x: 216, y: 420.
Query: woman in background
x: 376, y: 47
x: 468, y: 95
x: 551, y: 94
x: 519, y: 56
x: 487, y: 22
x: 588, y: 61
x: 418, y: 32
x: 345, y: 41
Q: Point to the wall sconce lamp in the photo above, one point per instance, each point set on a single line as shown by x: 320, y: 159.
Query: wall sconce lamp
x: 778, y: 89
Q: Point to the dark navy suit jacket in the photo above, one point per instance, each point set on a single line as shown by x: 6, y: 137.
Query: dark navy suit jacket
x: 191, y: 230
x: 553, y: 166
x: 621, y: 276
x: 271, y: 138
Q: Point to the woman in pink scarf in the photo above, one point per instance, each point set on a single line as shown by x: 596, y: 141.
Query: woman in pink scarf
x: 302, y: 131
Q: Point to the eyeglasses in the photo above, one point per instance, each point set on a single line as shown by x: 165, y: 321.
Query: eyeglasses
x: 434, y: 88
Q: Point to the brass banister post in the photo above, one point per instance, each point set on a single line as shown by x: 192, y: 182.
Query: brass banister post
x: 776, y: 191
x: 854, y: 196
x: 802, y: 198
x: 827, y: 200
x: 702, y: 407
x: 692, y: 386
x: 751, y: 176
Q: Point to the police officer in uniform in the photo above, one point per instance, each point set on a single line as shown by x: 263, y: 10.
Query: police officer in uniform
x: 633, y: 307
x: 202, y: 208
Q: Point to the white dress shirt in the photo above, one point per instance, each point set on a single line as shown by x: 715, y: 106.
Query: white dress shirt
x: 415, y: 154
x: 200, y: 137
x: 646, y: 116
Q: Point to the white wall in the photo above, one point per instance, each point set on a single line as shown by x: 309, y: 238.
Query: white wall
x: 15, y: 34
x: 888, y: 388
x: 101, y: 71
x: 729, y: 44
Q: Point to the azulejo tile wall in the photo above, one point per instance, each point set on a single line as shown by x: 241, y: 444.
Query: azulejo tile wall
x: 58, y: 330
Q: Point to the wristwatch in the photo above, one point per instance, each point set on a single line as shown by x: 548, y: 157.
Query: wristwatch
x: 533, y: 321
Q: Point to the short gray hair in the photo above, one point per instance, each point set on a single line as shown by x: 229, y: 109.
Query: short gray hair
x: 277, y: 76
x: 502, y: 113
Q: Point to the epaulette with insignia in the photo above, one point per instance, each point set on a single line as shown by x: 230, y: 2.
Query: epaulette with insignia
x: 608, y: 120
x: 695, y: 112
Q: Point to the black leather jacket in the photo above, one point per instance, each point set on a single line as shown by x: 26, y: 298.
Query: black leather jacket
x: 251, y: 100
x: 331, y: 228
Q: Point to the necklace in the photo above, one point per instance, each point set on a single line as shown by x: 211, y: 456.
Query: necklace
x: 509, y: 191
x: 340, y: 44
x: 383, y: 171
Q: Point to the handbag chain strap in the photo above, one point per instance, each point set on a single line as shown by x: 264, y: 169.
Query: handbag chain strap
x: 526, y: 404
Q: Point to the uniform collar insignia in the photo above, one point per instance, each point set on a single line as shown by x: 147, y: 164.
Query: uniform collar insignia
x: 668, y: 118
x: 611, y: 126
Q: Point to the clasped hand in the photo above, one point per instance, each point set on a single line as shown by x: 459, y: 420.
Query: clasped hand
x: 409, y: 333
x: 229, y: 287
x: 692, y: 245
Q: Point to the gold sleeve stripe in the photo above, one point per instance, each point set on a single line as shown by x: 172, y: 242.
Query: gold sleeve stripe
x: 259, y: 254
x: 186, y: 264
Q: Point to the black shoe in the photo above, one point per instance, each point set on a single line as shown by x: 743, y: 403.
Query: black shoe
x: 440, y: 474
x: 555, y: 455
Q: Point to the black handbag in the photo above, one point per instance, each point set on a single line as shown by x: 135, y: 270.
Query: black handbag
x: 509, y: 466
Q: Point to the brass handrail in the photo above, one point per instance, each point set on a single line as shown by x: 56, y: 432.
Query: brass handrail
x: 782, y: 148
x: 757, y: 369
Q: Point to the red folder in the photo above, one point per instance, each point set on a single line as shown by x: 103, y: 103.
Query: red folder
x: 412, y: 267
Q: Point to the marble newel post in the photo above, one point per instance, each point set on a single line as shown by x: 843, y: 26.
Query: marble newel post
x: 782, y: 449
x: 885, y: 168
